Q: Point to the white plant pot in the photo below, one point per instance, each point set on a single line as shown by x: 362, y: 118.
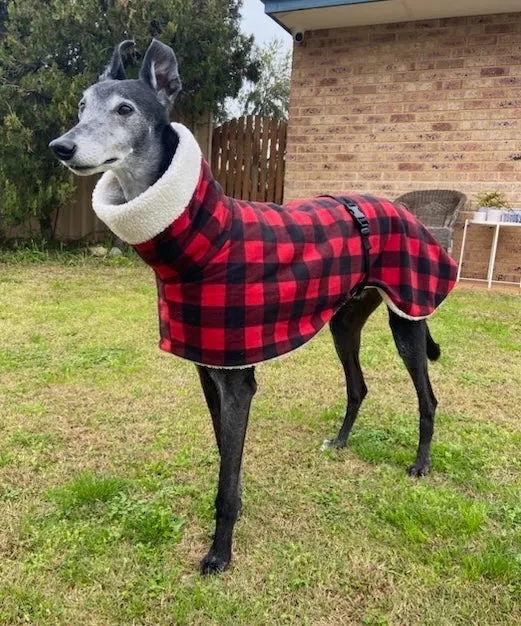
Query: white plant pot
x: 513, y: 216
x: 480, y: 216
x: 494, y: 215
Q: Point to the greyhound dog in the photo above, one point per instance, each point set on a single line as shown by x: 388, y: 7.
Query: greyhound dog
x: 124, y: 132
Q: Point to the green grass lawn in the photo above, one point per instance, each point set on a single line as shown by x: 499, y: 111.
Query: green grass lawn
x: 108, y: 470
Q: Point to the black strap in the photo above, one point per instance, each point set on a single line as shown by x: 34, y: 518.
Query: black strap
x: 362, y: 224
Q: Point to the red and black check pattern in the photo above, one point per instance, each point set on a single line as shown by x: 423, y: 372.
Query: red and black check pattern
x: 241, y: 282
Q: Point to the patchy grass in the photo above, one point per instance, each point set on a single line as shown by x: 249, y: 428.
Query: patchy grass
x: 108, y: 469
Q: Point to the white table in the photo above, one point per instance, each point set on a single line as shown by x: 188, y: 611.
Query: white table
x: 492, y: 258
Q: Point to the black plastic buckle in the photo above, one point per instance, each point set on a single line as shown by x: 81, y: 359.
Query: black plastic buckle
x: 360, y: 219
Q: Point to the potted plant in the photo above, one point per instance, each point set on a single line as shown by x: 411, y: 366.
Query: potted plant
x: 494, y: 203
x: 513, y: 216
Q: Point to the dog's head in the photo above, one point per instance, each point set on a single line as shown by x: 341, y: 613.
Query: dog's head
x: 119, y: 119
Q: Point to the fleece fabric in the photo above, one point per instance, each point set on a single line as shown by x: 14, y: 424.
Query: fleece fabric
x: 240, y: 283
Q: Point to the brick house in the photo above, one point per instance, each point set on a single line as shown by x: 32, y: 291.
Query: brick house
x: 389, y: 96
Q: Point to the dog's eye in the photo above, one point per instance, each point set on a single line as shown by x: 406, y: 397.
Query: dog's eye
x: 81, y: 106
x: 125, y: 109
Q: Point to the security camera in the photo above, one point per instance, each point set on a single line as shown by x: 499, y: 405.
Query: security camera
x: 298, y: 36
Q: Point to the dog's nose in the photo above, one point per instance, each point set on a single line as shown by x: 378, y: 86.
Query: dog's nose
x: 64, y: 148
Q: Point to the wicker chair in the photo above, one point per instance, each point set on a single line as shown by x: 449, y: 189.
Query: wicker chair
x: 436, y: 208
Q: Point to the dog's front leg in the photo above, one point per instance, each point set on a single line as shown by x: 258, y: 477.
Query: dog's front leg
x: 235, y: 389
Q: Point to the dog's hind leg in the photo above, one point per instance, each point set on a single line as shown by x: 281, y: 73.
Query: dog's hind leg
x: 414, y: 345
x: 234, y: 390
x: 346, y: 327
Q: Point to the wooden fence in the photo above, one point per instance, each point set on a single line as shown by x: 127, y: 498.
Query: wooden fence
x: 248, y: 157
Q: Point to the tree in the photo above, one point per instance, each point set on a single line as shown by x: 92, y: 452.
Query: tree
x: 51, y: 50
x: 269, y: 95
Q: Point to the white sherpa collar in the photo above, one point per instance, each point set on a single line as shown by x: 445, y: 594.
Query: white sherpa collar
x: 156, y: 208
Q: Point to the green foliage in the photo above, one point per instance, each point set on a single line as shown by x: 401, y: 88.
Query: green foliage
x: 145, y: 521
x: 214, y: 56
x: 494, y: 199
x: 41, y: 251
x: 270, y: 94
x: 51, y: 50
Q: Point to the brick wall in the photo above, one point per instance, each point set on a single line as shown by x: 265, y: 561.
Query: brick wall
x: 394, y: 107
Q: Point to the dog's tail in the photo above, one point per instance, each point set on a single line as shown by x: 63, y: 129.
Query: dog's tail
x: 433, y: 348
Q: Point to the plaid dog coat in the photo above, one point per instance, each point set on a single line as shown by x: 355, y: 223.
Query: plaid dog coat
x: 244, y: 282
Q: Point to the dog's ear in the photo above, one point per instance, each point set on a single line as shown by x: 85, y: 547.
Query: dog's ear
x: 114, y: 69
x: 159, y: 71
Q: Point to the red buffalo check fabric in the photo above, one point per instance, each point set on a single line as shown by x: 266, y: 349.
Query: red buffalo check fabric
x: 241, y: 282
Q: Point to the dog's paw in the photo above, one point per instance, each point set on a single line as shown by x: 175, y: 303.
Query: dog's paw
x: 332, y: 444
x: 417, y: 471
x: 213, y: 563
